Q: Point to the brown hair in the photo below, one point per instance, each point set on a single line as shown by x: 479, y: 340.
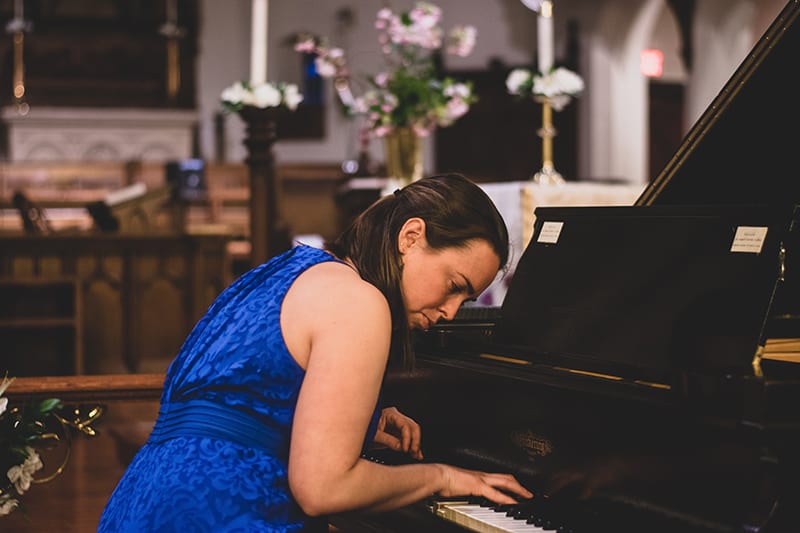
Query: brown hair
x: 455, y: 211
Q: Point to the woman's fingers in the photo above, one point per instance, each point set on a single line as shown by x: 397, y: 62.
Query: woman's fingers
x: 399, y: 432
x: 508, y: 484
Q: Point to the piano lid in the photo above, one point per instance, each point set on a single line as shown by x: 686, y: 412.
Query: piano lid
x: 643, y: 294
x: 744, y: 147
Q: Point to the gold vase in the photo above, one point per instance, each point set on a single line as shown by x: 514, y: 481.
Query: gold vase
x: 403, y: 152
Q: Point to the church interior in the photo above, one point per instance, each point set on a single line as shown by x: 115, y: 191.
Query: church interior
x: 130, y: 197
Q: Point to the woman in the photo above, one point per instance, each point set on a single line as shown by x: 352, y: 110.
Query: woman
x: 272, y: 399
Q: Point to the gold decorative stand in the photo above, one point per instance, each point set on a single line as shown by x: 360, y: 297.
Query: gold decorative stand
x: 547, y: 175
x: 268, y: 235
x: 17, y: 27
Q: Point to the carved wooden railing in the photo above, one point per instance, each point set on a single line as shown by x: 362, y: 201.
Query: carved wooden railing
x: 87, y: 389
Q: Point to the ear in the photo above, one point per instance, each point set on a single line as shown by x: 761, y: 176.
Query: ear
x: 411, y: 234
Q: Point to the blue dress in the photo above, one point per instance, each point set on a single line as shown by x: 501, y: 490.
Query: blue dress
x: 217, y: 458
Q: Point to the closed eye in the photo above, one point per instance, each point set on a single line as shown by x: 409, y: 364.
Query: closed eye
x: 466, y: 288
x: 455, y: 288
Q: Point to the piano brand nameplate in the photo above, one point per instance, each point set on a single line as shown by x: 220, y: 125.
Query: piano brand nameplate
x: 749, y: 239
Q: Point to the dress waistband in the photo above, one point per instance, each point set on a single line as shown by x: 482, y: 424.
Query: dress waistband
x: 203, y: 418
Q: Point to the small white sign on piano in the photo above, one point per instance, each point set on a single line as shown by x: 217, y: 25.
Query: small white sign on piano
x: 550, y: 232
x: 749, y: 239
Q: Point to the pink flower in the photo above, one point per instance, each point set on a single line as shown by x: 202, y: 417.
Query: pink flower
x: 425, y: 15
x: 382, y: 131
x: 462, y: 40
x: 407, y: 40
x: 381, y: 79
x: 306, y: 46
x: 456, y: 108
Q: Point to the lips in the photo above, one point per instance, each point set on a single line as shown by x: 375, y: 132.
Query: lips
x: 427, y: 322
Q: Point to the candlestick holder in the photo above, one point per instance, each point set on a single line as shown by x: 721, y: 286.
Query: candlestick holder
x: 269, y: 236
x: 547, y: 175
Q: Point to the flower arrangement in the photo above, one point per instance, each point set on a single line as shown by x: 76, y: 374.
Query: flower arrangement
x: 559, y: 85
x: 20, y: 430
x: 261, y: 95
x: 409, y: 92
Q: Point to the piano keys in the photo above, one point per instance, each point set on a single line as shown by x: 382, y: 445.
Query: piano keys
x: 551, y: 516
x: 483, y: 516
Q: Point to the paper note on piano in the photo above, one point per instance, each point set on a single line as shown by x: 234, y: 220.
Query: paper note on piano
x: 749, y: 239
x: 550, y: 232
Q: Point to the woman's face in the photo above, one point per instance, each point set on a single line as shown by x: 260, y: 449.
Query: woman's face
x: 435, y: 283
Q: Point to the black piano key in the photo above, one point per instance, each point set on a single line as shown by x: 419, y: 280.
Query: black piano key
x: 504, y: 507
x: 484, y: 502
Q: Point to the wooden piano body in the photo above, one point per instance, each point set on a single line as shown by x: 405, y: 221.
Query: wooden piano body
x: 681, y: 442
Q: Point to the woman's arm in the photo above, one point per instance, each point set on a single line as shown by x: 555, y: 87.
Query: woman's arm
x: 338, y: 328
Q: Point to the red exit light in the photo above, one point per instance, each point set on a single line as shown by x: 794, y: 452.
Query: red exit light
x: 651, y: 63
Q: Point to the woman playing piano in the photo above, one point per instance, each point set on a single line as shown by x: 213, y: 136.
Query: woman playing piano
x: 272, y: 399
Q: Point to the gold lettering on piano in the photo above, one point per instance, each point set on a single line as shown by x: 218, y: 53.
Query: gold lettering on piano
x: 534, y: 445
x: 504, y: 359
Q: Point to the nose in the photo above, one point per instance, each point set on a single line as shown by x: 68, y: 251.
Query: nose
x: 450, y: 308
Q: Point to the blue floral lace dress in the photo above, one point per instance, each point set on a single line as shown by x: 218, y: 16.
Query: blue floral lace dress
x: 216, y: 460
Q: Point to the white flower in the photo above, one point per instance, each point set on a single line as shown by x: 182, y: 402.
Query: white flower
x: 559, y: 82
x: 516, y: 79
x: 559, y: 86
x: 292, y: 96
x: 7, y: 504
x: 3, y: 386
x: 264, y: 95
x: 235, y: 93
x: 460, y: 90
x: 22, y: 474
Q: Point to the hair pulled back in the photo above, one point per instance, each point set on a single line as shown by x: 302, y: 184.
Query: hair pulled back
x: 455, y: 211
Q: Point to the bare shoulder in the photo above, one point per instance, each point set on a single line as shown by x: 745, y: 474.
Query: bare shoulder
x: 331, y: 304
x: 334, y: 284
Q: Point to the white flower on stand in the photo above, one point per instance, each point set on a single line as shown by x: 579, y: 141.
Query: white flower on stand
x: 559, y: 86
x: 260, y: 95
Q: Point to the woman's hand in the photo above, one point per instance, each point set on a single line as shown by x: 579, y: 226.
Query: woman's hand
x: 499, y: 488
x: 399, y: 432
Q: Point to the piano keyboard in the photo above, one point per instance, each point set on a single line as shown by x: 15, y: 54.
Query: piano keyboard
x: 487, y: 517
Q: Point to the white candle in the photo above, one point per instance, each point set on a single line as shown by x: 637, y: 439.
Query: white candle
x: 19, y: 7
x: 172, y: 12
x: 258, y: 42
x: 544, y: 32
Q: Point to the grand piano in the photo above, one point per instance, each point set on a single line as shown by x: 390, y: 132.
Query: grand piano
x: 626, y: 379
